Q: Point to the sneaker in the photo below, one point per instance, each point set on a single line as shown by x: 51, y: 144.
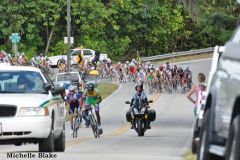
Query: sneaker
x: 132, y: 127
x: 100, y: 131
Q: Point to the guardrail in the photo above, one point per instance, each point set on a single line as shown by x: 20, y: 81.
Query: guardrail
x: 176, y: 54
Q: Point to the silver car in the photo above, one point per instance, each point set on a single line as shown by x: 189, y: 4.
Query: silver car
x: 220, y: 132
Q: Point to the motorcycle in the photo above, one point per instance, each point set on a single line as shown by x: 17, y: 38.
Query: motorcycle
x: 140, y: 115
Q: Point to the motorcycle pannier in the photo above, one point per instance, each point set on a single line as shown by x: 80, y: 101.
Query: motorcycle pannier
x: 128, y: 116
x: 152, y: 114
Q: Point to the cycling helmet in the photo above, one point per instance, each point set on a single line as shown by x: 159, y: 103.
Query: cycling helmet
x: 161, y: 68
x: 90, y: 86
x: 72, y: 88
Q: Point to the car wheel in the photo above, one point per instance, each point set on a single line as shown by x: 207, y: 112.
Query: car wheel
x: 203, y: 148
x: 195, y: 136
x: 194, y: 143
x: 59, y: 144
x: 47, y: 145
x: 233, y: 145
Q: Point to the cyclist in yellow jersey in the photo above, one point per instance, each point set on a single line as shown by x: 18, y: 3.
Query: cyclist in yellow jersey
x: 92, y: 97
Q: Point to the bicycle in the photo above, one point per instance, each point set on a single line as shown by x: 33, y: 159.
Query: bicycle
x: 93, y: 123
x: 76, y: 123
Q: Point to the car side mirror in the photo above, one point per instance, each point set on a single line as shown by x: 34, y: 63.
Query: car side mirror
x: 46, y: 86
x: 58, y: 90
x: 150, y: 101
x: 127, y: 102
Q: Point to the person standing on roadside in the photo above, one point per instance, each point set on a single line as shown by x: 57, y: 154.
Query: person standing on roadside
x: 196, y: 88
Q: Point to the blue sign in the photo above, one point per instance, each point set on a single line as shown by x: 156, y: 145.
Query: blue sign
x: 15, y: 38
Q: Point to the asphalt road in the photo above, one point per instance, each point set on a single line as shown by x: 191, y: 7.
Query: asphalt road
x: 169, y: 138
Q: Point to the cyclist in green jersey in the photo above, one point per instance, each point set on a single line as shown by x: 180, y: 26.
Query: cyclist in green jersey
x: 92, y: 97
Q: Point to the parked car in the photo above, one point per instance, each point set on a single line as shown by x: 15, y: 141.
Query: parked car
x: 68, y: 76
x: 31, y: 109
x: 218, y: 50
x: 87, y: 54
x: 220, y: 132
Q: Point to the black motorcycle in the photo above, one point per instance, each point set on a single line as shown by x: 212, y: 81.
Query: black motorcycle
x: 140, y: 116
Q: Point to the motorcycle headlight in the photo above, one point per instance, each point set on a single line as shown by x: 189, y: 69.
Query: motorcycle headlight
x: 143, y: 110
x: 33, y: 111
x: 135, y: 111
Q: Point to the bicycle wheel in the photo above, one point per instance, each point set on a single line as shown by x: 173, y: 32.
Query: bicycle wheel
x: 75, y: 127
x: 93, y: 126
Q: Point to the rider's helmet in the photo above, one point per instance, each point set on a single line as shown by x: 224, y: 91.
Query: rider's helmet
x: 90, y: 87
x: 139, y: 86
x: 72, y: 88
x: 161, y: 68
x: 167, y: 65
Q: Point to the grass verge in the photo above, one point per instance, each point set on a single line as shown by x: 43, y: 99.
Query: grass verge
x: 190, y: 156
x: 106, y: 89
x: 184, y: 58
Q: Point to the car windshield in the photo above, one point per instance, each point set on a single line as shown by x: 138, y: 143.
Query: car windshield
x: 67, y: 77
x: 21, y: 82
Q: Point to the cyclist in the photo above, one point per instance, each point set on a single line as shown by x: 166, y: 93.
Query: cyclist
x: 168, y: 66
x: 3, y: 57
x: 73, y: 101
x: 151, y: 75
x: 22, y: 59
x: 91, y: 96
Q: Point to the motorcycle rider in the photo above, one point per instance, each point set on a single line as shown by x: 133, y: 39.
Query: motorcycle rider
x: 138, y: 95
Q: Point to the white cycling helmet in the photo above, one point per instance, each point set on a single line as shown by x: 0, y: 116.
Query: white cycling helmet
x: 72, y: 88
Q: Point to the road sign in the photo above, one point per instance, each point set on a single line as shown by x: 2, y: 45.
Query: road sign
x: 15, y: 38
x: 79, y: 59
x: 71, y: 40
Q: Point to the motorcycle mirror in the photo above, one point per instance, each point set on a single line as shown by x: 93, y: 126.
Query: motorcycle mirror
x: 127, y: 102
x: 150, y: 101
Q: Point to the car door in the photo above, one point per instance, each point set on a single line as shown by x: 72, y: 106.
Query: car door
x: 228, y: 91
x: 88, y: 54
x: 57, y: 104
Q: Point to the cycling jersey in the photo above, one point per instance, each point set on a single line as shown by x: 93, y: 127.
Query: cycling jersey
x: 91, y: 98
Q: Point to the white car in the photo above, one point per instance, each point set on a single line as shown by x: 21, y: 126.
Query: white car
x: 71, y: 76
x: 31, y: 109
x: 88, y: 54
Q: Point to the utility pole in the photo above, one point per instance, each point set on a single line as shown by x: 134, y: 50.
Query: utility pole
x: 68, y: 34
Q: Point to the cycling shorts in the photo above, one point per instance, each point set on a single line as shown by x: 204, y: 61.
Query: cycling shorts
x: 74, y: 105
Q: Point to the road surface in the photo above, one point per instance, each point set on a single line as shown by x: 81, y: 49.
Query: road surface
x: 169, y: 138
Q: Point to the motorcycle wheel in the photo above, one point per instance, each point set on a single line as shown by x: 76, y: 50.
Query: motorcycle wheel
x: 139, y: 128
